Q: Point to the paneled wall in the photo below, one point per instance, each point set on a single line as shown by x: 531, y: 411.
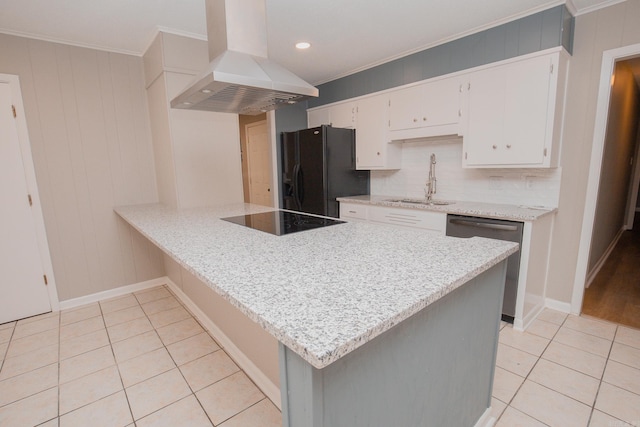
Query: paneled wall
x: 89, y: 130
x: 543, y: 30
x: 595, y: 32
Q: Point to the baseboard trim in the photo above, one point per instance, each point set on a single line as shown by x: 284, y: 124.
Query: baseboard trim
x: 111, y: 293
x: 561, y: 306
x: 486, y: 419
x: 522, y: 324
x: 596, y: 268
x: 257, y: 376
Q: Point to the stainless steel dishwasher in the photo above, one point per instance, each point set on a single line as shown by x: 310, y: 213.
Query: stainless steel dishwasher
x: 469, y: 226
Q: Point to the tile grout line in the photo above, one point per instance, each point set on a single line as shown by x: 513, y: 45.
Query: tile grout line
x: 59, y: 363
x: 595, y: 398
x: 124, y: 391
x: 529, y: 373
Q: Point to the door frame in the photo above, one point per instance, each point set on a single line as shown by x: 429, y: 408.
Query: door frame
x: 30, y: 175
x: 609, y: 58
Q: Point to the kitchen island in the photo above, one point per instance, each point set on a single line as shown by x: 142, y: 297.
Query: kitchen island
x: 377, y: 326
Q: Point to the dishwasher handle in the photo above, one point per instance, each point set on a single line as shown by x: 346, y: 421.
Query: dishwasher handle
x: 487, y: 225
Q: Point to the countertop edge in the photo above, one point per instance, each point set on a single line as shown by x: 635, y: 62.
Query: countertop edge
x: 323, y: 360
x: 480, y: 209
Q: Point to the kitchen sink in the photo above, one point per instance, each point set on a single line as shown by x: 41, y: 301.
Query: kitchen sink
x: 421, y: 202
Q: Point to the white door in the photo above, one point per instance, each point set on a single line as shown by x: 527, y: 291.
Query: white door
x: 23, y: 292
x: 259, y: 163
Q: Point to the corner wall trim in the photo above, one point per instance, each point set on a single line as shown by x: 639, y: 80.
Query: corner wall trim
x: 271, y: 390
x: 111, y: 293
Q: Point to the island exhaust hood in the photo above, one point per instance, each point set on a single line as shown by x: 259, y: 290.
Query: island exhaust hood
x: 240, y: 78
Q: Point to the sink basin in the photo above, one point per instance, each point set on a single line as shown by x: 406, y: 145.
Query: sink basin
x: 422, y: 202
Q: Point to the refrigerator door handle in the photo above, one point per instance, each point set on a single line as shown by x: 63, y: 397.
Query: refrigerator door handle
x: 300, y: 185
x: 296, y: 197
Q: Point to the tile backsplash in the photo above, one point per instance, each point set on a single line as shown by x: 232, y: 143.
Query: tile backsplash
x: 531, y: 187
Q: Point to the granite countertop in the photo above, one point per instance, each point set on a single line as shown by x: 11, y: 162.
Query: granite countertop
x: 486, y: 210
x: 321, y: 292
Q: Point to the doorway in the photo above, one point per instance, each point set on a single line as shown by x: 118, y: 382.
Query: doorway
x: 256, y: 160
x: 612, y: 290
x: 24, y: 254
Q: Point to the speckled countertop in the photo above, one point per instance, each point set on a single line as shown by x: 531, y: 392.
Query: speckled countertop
x: 321, y: 292
x: 486, y: 210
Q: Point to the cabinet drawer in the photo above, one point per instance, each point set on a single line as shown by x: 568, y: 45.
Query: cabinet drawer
x: 435, y: 221
x: 353, y: 211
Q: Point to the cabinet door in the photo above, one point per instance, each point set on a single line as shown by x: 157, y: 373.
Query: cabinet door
x: 526, y: 107
x: 405, y: 108
x: 371, y: 142
x: 343, y: 115
x: 318, y: 117
x: 486, y: 110
x: 510, y: 115
x: 441, y: 102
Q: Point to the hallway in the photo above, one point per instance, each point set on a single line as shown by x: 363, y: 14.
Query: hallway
x: 614, y: 294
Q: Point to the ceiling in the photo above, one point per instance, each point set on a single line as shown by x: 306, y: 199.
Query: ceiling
x: 346, y: 35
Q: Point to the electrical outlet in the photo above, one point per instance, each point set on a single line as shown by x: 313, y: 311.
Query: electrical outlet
x: 529, y: 182
x: 495, y: 182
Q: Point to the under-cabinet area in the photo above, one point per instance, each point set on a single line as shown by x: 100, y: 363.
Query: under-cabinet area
x: 536, y: 229
x: 508, y: 113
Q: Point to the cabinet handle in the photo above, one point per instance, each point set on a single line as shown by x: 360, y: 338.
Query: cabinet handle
x: 424, y: 119
x: 415, y: 120
x: 508, y: 145
x: 378, y: 153
x: 352, y: 211
x: 494, y: 146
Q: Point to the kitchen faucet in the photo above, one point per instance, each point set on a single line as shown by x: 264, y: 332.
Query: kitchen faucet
x: 431, y: 181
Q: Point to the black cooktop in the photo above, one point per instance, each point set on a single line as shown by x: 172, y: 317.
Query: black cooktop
x: 281, y: 222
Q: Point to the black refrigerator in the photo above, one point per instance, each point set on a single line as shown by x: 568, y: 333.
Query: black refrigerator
x: 318, y: 165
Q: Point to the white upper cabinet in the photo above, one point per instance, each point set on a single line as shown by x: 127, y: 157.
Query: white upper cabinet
x: 342, y: 115
x: 514, y: 113
x: 427, y: 109
x: 368, y: 116
x: 318, y: 117
x: 373, y: 150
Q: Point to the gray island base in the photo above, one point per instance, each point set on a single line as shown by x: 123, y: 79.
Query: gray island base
x: 433, y: 369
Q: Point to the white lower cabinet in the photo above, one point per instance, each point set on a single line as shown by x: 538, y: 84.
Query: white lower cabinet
x: 415, y: 218
x: 353, y: 211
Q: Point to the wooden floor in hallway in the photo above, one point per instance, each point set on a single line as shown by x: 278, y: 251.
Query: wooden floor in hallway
x: 614, y: 294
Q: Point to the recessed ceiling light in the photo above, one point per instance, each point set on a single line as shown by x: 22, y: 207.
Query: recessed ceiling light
x: 303, y: 45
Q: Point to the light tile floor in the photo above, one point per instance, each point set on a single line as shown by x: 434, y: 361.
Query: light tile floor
x: 567, y: 371
x: 143, y: 358
x: 140, y: 359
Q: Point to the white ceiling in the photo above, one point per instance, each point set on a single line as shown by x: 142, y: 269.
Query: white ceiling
x: 346, y: 35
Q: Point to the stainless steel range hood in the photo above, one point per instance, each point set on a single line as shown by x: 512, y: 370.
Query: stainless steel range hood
x: 240, y: 78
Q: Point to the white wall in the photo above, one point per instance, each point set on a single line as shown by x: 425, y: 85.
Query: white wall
x: 595, y: 32
x: 197, y: 153
x: 531, y: 187
x: 89, y: 129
